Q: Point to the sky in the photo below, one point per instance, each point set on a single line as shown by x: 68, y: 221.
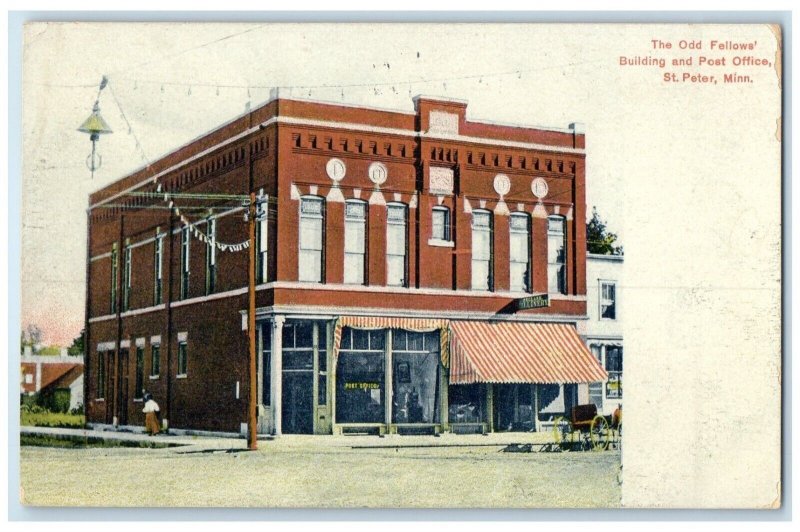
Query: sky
x: 169, y: 83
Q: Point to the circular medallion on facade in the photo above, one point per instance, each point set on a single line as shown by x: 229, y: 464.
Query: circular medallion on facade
x: 502, y: 184
x: 539, y: 187
x: 378, y: 173
x: 336, y: 169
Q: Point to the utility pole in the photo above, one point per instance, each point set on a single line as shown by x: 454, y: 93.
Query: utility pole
x: 252, y: 440
x: 255, y: 212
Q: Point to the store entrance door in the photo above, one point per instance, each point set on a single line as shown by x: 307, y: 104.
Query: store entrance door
x: 298, y: 402
x: 513, y: 410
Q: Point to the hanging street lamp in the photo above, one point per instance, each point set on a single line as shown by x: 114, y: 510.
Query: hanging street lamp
x: 95, y: 126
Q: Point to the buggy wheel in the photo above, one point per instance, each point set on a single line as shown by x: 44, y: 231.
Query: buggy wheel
x: 562, y: 431
x: 599, y: 433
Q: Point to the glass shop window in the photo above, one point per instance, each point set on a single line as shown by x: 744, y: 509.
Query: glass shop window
x: 596, y: 388
x: 415, y: 376
x: 614, y: 370
x: 466, y: 403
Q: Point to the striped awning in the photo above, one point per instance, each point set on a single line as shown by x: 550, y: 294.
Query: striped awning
x: 546, y: 353
x: 386, y: 322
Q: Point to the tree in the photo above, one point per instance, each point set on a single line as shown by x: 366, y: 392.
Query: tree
x: 599, y: 239
x: 31, y: 337
x: 76, y: 349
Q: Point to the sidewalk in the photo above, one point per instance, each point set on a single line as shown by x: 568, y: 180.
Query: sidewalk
x: 289, y: 441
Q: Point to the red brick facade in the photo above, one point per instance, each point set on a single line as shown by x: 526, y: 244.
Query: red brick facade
x: 283, y: 148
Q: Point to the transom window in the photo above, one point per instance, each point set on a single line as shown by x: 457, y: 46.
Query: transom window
x: 311, y: 238
x: 396, y: 245
x: 481, y: 250
x: 355, y: 223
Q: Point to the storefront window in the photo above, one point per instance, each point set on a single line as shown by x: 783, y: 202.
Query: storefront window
x: 466, y: 403
x: 360, y: 386
x: 415, y: 370
x: 596, y: 388
x: 614, y: 370
x: 266, y: 361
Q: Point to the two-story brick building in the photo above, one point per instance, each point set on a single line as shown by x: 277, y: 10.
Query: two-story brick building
x: 416, y: 271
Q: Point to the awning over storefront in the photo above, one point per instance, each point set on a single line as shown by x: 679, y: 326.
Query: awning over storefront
x: 545, y: 353
x: 384, y: 322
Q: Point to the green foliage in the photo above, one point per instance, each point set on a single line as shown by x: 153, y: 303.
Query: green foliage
x: 76, y: 349
x: 599, y: 239
x: 37, y: 416
x: 50, y: 351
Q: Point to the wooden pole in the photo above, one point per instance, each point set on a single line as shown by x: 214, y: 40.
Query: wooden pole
x: 252, y: 441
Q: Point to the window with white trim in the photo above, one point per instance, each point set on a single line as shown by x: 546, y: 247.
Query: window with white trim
x: 126, y: 278
x: 355, y: 238
x: 155, y: 360
x: 101, y: 375
x: 481, y: 250
x: 312, y: 220
x: 556, y: 255
x: 262, y: 239
x: 440, y: 223
x: 614, y: 370
x: 183, y: 361
x: 185, y: 239
x: 138, y: 391
x: 211, y: 255
x: 158, y: 258
x: 596, y: 388
x: 608, y: 300
x: 114, y: 277
x: 519, y: 252
x: 396, y: 245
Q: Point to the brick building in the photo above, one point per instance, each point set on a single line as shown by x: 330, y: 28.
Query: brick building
x: 415, y: 272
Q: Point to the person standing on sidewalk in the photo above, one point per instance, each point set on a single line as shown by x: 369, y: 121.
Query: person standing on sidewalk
x: 151, y: 425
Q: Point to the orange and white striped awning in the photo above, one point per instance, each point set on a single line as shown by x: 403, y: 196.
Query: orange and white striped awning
x: 387, y: 322
x: 503, y: 352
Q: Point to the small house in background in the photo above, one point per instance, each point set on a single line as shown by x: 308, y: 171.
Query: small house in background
x: 604, y: 328
x: 53, y: 382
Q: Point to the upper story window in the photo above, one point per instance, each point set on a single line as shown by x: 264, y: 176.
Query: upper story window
x: 158, y: 258
x: 481, y: 250
x: 185, y: 239
x: 396, y: 245
x: 440, y: 222
x: 211, y: 256
x: 126, y: 278
x: 556, y: 255
x: 114, y: 276
x: 519, y: 252
x: 262, y: 240
x: 312, y: 219
x: 355, y: 224
x: 608, y: 300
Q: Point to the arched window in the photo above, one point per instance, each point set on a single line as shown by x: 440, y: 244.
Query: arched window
x: 355, y: 239
x: 312, y: 221
x: 481, y: 250
x: 556, y: 255
x: 519, y: 252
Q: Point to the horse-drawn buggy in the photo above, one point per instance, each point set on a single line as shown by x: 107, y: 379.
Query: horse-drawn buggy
x: 586, y: 429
